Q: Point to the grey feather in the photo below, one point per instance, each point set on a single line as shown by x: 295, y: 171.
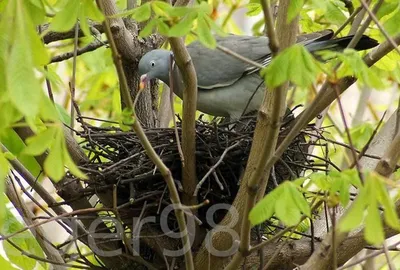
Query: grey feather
x: 226, y: 85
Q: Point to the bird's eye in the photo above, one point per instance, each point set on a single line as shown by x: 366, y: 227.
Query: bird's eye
x: 152, y: 63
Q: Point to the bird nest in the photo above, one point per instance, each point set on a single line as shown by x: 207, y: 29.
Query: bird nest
x: 122, y: 175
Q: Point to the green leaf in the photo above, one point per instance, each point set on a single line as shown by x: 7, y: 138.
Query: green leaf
x: 148, y: 29
x: 295, y: 64
x: 265, y: 208
x: 161, y: 8
x: 373, y: 224
x: 299, y: 199
x: 387, y: 8
x: 354, y: 65
x: 333, y: 13
x: 181, y: 11
x: 253, y: 9
x: 163, y: 28
x: 355, y: 214
x: 49, y: 111
x: 24, y: 240
x: 40, y: 55
x: 285, y: 207
x: 22, y: 83
x: 140, y: 14
x: 331, y: 10
x: 320, y: 180
x: 83, y: 23
x: 8, y: 115
x: 63, y: 114
x: 53, y: 165
x: 36, y: 10
x: 183, y: 27
x: 67, y: 17
x: 71, y: 165
x: 204, y: 8
x: 218, y: 30
x: 204, y: 32
x: 92, y: 11
x: 387, y: 203
x: 4, y: 264
x: 294, y: 8
x: 341, y: 182
x: 15, y: 145
x: 392, y: 24
x: 38, y: 144
x: 4, y: 167
x: 126, y: 119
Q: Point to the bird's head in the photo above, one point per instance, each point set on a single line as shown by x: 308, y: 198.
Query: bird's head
x: 154, y: 65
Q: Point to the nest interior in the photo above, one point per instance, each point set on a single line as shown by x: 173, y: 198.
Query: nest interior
x: 117, y: 159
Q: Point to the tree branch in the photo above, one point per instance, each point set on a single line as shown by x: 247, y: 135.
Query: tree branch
x: 185, y: 64
x: 130, y: 49
x: 27, y: 215
x: 51, y: 36
x: 88, y: 48
x: 69, y: 190
x: 264, y: 144
x: 166, y: 173
x: 385, y: 167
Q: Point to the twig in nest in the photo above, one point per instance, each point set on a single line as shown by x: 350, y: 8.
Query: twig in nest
x: 214, y: 167
x: 217, y: 180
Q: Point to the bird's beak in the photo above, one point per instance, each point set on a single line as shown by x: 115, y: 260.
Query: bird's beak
x: 143, y: 81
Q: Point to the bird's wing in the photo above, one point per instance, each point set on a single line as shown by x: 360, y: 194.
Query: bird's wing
x: 217, y: 69
x: 304, y: 39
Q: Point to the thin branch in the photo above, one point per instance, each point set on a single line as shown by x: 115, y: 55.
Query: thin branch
x: 325, y: 97
x: 50, y: 219
x: 346, y: 128
x: 32, y: 256
x: 238, y: 56
x: 50, y: 36
x: 357, y: 20
x: 364, y: 258
x: 88, y: 48
x: 171, y: 100
x: 364, y: 27
x: 383, y: 31
x: 166, y: 173
x: 349, y: 20
x: 269, y: 25
x: 73, y: 79
x: 387, y: 255
x: 51, y: 252
x: 267, y: 128
x: 385, y: 167
x: 45, y: 210
x: 366, y: 146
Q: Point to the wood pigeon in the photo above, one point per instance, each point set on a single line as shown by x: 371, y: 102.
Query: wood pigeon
x: 227, y: 86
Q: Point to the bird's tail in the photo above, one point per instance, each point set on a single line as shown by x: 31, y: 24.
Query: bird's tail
x: 340, y: 44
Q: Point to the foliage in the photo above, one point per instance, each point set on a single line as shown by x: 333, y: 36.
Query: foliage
x: 287, y: 203
x: 25, y: 240
x: 24, y: 99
